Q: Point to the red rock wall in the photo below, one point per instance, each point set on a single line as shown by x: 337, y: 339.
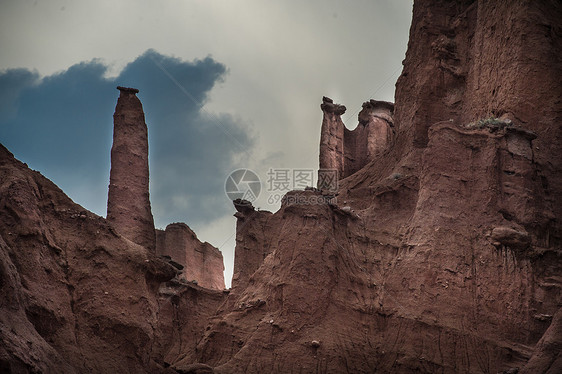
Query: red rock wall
x: 475, y: 60
x: 251, y: 245
x: 128, y: 202
x: 76, y: 297
x: 202, y: 262
x: 419, y: 276
x: 441, y: 256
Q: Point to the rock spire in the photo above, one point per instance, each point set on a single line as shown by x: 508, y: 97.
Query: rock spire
x: 128, y: 203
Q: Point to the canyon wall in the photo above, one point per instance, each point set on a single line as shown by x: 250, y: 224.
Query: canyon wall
x: 439, y: 253
x: 442, y: 253
x: 76, y: 296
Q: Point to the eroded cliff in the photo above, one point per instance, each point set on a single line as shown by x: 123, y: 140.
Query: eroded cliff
x: 201, y: 263
x: 440, y: 251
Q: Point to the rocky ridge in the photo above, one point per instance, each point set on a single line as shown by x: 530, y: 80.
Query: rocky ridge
x: 440, y: 253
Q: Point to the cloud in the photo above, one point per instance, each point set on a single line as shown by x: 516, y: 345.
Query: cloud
x: 62, y: 125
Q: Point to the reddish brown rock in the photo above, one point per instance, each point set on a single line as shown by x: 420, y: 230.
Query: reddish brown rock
x: 251, y: 248
x: 128, y: 202
x: 468, y: 61
x: 75, y: 295
x: 443, y: 255
x: 440, y: 255
x: 202, y: 263
x: 347, y: 151
x: 547, y: 357
x: 331, y: 137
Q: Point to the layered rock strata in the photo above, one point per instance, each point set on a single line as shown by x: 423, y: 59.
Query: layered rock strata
x: 440, y: 255
x: 444, y: 254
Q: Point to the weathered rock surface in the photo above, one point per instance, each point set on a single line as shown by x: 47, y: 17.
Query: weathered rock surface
x: 347, y: 151
x: 251, y: 244
x: 202, y: 263
x: 547, y: 357
x: 128, y: 202
x: 441, y: 254
x: 444, y: 254
x: 80, y: 293
x: 76, y: 296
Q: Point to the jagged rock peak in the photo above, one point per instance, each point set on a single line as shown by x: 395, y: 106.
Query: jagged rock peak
x: 347, y: 151
x: 243, y: 206
x: 128, y: 89
x: 376, y: 104
x: 329, y: 106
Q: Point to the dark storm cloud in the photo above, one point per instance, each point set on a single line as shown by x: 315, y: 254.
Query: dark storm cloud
x: 62, y: 126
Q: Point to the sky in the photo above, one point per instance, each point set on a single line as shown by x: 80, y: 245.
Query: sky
x: 225, y: 85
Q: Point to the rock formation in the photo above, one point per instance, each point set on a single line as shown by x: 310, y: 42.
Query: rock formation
x: 440, y: 254
x: 347, y: 151
x: 128, y: 202
x: 201, y: 262
x: 75, y: 296
x: 251, y: 248
x: 444, y: 254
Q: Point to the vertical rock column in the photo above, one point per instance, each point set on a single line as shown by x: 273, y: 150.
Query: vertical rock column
x: 348, y: 151
x: 128, y: 203
x: 332, y: 138
x: 376, y: 116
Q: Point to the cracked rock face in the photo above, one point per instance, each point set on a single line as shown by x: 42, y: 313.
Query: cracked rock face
x: 128, y: 203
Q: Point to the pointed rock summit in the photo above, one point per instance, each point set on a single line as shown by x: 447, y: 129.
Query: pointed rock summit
x: 128, y: 203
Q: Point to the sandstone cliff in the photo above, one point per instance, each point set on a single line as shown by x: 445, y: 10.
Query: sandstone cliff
x: 348, y: 151
x: 440, y: 253
x: 77, y: 297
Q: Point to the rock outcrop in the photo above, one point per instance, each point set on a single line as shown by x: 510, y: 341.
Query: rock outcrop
x: 347, y: 151
x: 251, y: 245
x: 439, y: 253
x: 128, y: 202
x: 76, y: 296
x: 443, y: 255
x: 201, y: 263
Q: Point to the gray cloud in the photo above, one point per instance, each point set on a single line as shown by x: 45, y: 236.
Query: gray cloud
x: 62, y: 126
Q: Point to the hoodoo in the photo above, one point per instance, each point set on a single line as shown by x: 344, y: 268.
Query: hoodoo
x: 347, y: 151
x: 128, y: 203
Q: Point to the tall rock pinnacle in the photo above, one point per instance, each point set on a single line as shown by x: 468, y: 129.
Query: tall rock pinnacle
x: 347, y: 151
x: 128, y: 203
